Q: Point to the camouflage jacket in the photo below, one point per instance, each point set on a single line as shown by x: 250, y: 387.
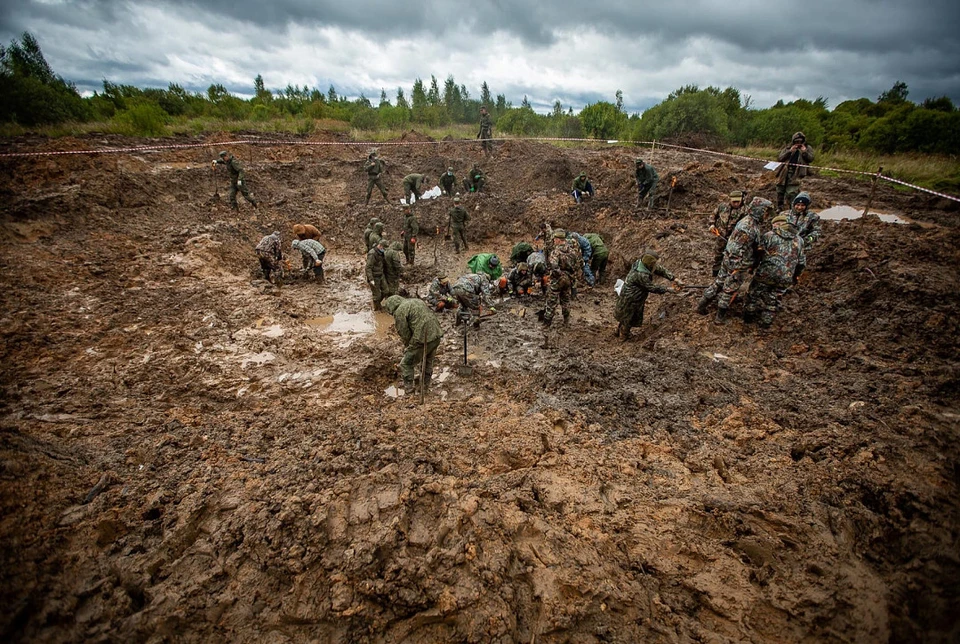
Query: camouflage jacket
x: 742, y: 243
x: 375, y: 167
x: 366, y: 236
x: 517, y: 280
x: 270, y: 245
x: 413, y: 181
x: 447, y: 181
x: 586, y: 250
x: 438, y: 292
x: 537, y: 262
x: 807, y: 225
x: 458, y: 217
x: 415, y: 322
x: 411, y: 227
x: 392, y: 263
x: 725, y: 218
x: 374, y: 239
x: 475, y: 175
x: 579, y: 184
x: 486, y: 125
x: 233, y: 166
x: 647, y: 174
x: 596, y: 244
x: 476, y: 283
x: 311, y: 248
x: 567, y: 259
x: 781, y: 257
x: 640, y: 281
x: 374, y: 268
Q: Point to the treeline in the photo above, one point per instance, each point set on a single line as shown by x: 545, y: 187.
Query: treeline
x: 32, y: 95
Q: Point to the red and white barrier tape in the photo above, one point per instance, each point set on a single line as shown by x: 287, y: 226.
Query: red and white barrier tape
x: 653, y: 144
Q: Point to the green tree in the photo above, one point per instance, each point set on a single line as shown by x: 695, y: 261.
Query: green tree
x: 260, y: 93
x: 30, y: 93
x: 433, y: 95
x: 602, y: 120
x: 896, y: 94
x: 401, y: 99
x: 485, y: 97
x: 420, y: 103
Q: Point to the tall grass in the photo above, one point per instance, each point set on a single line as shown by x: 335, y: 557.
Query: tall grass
x: 933, y: 171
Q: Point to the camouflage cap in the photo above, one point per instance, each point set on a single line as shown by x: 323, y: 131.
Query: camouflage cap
x: 583, y: 175
x: 559, y: 233
x: 639, y: 161
x: 379, y: 225
x: 373, y: 220
x: 649, y: 258
x: 738, y: 194
x: 396, y: 246
x: 523, y: 267
x: 450, y: 170
x: 456, y: 199
x: 780, y: 219
x: 443, y: 279
x: 799, y: 136
x: 223, y: 153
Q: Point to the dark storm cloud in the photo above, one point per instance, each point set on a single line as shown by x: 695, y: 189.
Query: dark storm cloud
x: 575, y: 51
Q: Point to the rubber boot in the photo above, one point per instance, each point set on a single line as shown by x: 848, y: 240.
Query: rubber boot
x: 702, y: 306
x: 616, y: 333
x: 721, y: 316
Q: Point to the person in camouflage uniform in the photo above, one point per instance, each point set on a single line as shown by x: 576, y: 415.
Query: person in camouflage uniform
x: 369, y: 231
x: 439, y: 295
x: 237, y: 179
x: 520, y: 252
x: 782, y: 260
x: 636, y: 287
x: 475, y: 179
x: 725, y: 219
x: 448, y: 182
x: 486, y: 263
x: 520, y: 279
x: 738, y: 259
x: 457, y: 220
x: 374, y: 273
x: 269, y: 253
x: 420, y: 332
x: 411, y: 228
x: 566, y: 266
x: 804, y: 220
x: 546, y: 234
x: 539, y: 267
x: 599, y: 256
x: 581, y: 187
x: 586, y: 255
x: 374, y: 167
x: 647, y: 180
x: 306, y: 231
x: 486, y: 131
x: 377, y: 234
x: 473, y: 291
x: 788, y: 174
x: 392, y: 266
x: 413, y: 186
x: 312, y: 253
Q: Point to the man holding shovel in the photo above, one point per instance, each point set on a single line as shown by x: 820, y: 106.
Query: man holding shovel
x: 420, y: 332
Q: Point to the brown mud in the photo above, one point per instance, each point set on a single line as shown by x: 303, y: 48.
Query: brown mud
x: 188, y: 453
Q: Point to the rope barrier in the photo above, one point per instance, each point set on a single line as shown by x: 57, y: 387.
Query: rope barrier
x: 654, y: 144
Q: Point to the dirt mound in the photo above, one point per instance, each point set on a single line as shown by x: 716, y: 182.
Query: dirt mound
x: 416, y: 137
x: 187, y: 451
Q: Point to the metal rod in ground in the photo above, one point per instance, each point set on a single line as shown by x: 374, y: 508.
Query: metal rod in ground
x: 873, y: 191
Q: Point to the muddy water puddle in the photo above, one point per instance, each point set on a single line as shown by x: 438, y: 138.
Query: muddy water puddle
x: 362, y: 323
x: 844, y: 213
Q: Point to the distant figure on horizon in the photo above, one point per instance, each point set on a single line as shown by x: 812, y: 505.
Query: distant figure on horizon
x: 788, y: 174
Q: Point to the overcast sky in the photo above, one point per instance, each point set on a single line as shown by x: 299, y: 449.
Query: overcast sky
x: 577, y: 52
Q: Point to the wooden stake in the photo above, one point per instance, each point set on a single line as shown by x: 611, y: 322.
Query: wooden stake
x: 873, y: 191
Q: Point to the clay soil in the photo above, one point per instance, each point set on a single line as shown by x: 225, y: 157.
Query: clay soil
x: 190, y: 454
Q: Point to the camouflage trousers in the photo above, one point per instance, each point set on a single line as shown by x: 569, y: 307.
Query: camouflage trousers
x: 485, y: 143
x: 458, y: 238
x: 409, y: 250
x: 391, y: 286
x: 377, y: 290
x: 469, y: 300
x: 726, y: 286
x: 412, y: 361
x: 557, y: 296
x: 786, y: 194
x: 268, y: 263
x: 598, y: 264
x: 374, y: 180
x: 763, y: 299
x: 718, y: 250
x: 242, y: 188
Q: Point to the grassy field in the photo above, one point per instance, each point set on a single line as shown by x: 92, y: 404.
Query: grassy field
x: 936, y: 172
